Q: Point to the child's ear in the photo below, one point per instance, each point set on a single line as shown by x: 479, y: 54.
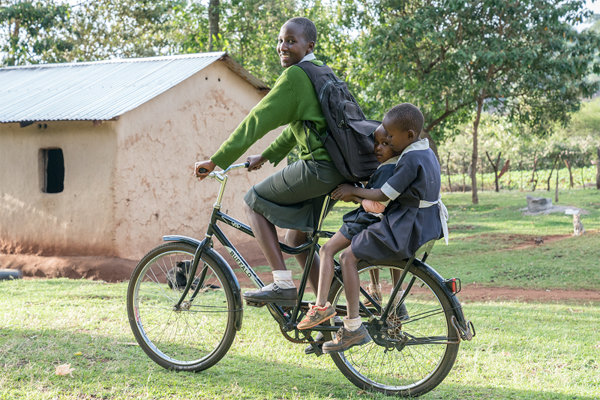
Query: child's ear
x: 412, y: 135
x: 311, y: 47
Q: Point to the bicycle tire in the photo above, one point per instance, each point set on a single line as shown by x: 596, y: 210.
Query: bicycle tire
x: 418, y: 367
x: 201, y: 332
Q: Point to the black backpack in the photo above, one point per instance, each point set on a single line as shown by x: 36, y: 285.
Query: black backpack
x: 349, y: 136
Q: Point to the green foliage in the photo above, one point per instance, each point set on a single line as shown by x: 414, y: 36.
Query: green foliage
x: 522, y: 58
x: 34, y: 31
x: 125, y: 28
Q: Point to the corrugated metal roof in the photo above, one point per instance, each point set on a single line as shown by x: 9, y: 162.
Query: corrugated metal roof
x: 99, y: 90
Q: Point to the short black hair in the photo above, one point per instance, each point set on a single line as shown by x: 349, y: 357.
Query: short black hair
x: 308, y: 28
x: 407, y: 116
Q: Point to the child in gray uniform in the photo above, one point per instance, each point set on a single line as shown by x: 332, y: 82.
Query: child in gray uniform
x: 409, y: 221
x: 355, y: 221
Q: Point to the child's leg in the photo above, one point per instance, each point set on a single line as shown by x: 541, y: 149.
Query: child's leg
x: 337, y: 243
x: 349, y: 264
x: 374, y: 288
x: 395, y: 278
x: 374, y: 273
x: 319, y: 312
x: 296, y: 238
x: 400, y: 312
x: 353, y: 333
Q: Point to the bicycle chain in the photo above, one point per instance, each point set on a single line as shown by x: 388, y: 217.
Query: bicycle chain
x: 295, y: 338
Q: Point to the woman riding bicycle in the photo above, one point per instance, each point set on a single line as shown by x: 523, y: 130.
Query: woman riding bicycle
x: 291, y: 198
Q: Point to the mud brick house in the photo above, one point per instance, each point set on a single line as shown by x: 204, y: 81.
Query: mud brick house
x: 96, y: 158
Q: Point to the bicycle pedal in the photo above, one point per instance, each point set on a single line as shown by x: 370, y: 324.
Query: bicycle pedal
x: 255, y: 303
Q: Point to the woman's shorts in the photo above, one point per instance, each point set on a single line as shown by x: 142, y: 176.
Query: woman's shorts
x: 293, y: 197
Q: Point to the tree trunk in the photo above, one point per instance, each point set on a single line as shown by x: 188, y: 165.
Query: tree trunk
x: 571, y: 183
x: 495, y: 168
x: 475, y: 155
x: 533, y: 178
x: 432, y: 144
x: 551, y: 171
x: 598, y: 170
x: 14, y: 43
x: 482, y: 183
x: 521, y: 175
x: 556, y: 187
x: 213, y: 22
x: 448, y: 173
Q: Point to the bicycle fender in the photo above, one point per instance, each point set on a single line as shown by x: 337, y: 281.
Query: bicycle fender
x: 456, y: 307
x: 219, y: 261
x: 184, y: 239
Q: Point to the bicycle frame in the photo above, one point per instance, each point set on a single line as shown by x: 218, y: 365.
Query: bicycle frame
x: 288, y: 322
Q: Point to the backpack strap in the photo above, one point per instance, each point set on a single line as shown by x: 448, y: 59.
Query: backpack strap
x: 308, y: 126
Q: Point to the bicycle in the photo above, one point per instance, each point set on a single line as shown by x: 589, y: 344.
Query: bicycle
x: 184, y: 306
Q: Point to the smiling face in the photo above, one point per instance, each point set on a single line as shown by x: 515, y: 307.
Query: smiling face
x: 398, y: 139
x: 383, y: 150
x: 292, y: 44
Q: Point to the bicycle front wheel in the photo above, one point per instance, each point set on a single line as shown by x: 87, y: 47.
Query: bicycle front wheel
x: 414, y: 349
x: 198, y: 333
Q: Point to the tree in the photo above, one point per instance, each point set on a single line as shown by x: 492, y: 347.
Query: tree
x: 213, y: 22
x: 455, y: 59
x: 583, y: 133
x: 124, y: 28
x: 34, y: 31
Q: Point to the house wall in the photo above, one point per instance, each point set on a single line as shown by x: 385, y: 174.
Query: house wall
x: 79, y: 220
x: 155, y: 190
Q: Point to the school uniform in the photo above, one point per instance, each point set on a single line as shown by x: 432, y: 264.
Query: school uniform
x: 292, y: 197
x: 358, y: 219
x: 414, y: 216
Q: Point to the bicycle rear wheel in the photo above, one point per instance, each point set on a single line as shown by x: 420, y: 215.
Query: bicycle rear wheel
x: 199, y: 333
x: 413, y: 351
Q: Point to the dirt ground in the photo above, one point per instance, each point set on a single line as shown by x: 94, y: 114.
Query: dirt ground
x: 111, y: 269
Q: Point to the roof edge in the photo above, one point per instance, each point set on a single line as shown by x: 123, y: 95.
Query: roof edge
x: 241, y: 71
x: 216, y: 55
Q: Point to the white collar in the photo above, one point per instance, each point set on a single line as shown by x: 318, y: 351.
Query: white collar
x: 392, y: 160
x: 309, y: 57
x: 422, y: 144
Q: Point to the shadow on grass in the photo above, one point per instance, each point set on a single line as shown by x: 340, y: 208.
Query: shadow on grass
x: 114, y: 367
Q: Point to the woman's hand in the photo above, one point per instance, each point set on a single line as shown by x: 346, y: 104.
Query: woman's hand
x: 203, y: 168
x: 255, y: 162
x: 345, y: 192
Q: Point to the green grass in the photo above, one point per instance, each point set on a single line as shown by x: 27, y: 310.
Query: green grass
x: 521, y: 351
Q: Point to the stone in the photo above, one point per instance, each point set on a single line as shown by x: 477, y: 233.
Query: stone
x: 538, y: 204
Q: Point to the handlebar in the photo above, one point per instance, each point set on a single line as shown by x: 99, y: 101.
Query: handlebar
x: 221, y: 176
x: 214, y: 174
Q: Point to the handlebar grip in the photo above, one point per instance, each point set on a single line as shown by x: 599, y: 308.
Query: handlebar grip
x: 247, y: 164
x: 202, y: 170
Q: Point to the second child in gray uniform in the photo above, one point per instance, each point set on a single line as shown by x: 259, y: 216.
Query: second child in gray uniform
x: 409, y: 221
x: 354, y: 222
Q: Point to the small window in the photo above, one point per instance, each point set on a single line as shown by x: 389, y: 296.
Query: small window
x: 52, y: 165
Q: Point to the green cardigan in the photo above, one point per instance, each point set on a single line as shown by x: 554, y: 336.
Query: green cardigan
x: 291, y: 101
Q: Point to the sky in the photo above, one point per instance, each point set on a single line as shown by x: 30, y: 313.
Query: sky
x: 594, y: 6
